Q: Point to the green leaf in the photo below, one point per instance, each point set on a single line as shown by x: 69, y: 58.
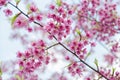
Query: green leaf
x: 96, y: 63
x: 18, y: 77
x: 17, y: 1
x: 28, y: 7
x: 21, y: 68
x: 88, y: 54
x: 58, y: 2
x: 0, y: 72
x: 78, y: 31
x: 14, y: 18
x: 113, y: 71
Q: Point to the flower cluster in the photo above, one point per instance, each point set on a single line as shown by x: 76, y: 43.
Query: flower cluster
x: 37, y: 17
x: 108, y: 20
x: 79, y: 48
x: 115, y: 47
x: 104, y: 25
x: 59, y: 24
x: 34, y: 57
x: 76, y: 68
x: 110, y: 73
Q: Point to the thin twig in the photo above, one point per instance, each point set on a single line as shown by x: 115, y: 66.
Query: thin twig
x: 52, y: 46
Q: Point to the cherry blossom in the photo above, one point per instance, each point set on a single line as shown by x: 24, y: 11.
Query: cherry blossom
x: 2, y: 2
x: 20, y: 22
x: 8, y: 12
x: 67, y: 32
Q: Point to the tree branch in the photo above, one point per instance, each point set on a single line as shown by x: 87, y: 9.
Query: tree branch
x: 62, y: 44
x: 24, y: 13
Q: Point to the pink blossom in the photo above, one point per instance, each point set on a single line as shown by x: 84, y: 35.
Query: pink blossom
x: 7, y: 12
x: 109, y: 58
x: 2, y: 2
x: 78, y: 48
x: 93, y: 44
x: 39, y: 17
x: 29, y: 29
x: 33, y: 57
x: 31, y: 18
x: 19, y: 54
x: 52, y: 6
x: 33, y: 7
x: 67, y: 58
x: 21, y: 22
x: 75, y: 69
